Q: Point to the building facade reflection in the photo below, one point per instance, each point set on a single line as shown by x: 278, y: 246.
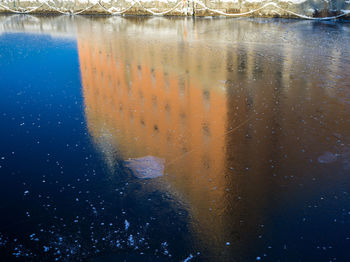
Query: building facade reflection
x: 141, y: 100
x: 225, y: 116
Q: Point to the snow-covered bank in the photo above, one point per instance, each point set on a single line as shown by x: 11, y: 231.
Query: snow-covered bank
x: 305, y: 9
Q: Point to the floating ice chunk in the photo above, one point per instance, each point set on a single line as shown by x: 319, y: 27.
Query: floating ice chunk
x: 127, y: 224
x: 131, y: 240
x: 164, y: 247
x: 188, y: 258
x: 26, y: 192
x: 146, y: 167
x: 327, y: 158
x: 118, y: 244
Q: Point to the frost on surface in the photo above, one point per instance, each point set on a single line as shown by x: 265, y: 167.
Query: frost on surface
x: 146, y: 167
x: 327, y: 157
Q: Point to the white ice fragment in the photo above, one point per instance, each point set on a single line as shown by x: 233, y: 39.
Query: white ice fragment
x: 146, y: 167
x: 127, y: 224
x: 118, y: 243
x: 164, y: 247
x: 327, y: 158
x: 188, y: 258
x: 131, y: 240
x: 26, y: 192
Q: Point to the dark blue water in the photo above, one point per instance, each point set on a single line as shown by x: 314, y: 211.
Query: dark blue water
x: 57, y: 201
x: 257, y: 156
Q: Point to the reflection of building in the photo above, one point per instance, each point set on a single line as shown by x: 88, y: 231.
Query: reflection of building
x: 139, y: 105
x: 177, y: 98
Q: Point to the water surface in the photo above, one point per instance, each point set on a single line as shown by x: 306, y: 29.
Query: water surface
x: 166, y: 139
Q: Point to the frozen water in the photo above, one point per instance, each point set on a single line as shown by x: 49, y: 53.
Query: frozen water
x: 146, y: 167
x: 188, y: 258
x: 127, y: 224
x: 327, y: 158
x: 237, y: 116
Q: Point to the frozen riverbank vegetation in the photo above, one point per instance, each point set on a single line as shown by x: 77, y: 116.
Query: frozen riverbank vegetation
x: 304, y: 9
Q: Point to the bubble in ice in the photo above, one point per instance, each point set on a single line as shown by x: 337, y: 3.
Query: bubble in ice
x: 146, y: 167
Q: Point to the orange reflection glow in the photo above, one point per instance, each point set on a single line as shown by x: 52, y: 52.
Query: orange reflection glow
x: 137, y: 106
x: 178, y: 95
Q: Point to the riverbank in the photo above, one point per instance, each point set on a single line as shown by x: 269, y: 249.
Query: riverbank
x: 319, y: 10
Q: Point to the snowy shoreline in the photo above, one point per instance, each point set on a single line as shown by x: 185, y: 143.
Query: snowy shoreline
x: 303, y: 9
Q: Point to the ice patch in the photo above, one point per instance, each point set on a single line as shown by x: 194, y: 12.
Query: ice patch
x: 164, y: 247
x: 346, y: 11
x: 327, y: 158
x: 131, y: 240
x: 188, y: 258
x: 146, y: 167
x: 127, y: 224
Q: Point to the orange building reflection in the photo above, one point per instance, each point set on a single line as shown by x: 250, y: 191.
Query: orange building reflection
x: 139, y: 104
x: 174, y: 96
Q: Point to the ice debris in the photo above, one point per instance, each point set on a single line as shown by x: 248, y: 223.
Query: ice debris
x: 146, y: 167
x: 127, y: 224
x: 327, y: 158
x: 188, y: 258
